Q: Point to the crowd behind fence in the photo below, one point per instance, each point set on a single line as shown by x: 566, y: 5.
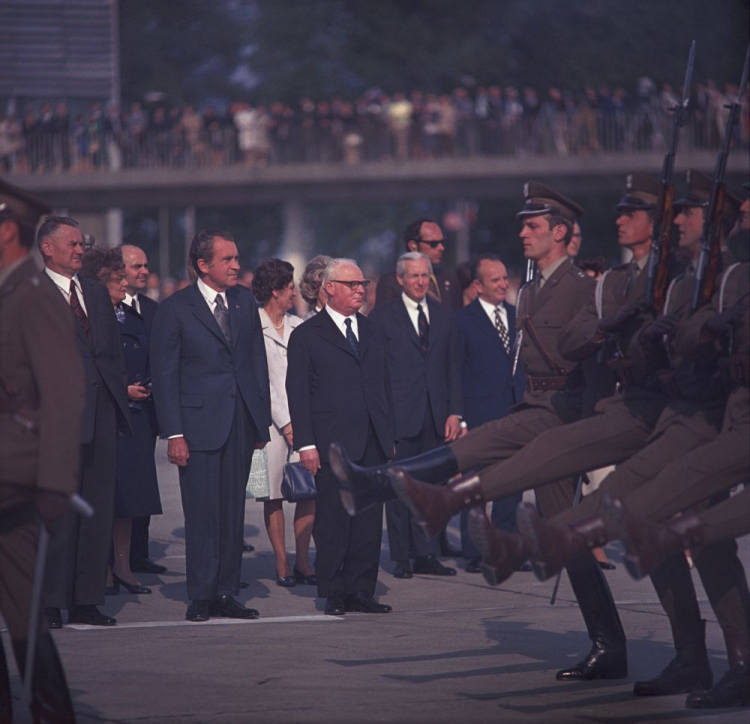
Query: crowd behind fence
x: 487, y: 122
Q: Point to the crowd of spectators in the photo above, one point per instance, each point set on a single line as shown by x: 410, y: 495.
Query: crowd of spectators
x: 490, y: 120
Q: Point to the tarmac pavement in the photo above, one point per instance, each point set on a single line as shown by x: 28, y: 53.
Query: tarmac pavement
x: 453, y: 649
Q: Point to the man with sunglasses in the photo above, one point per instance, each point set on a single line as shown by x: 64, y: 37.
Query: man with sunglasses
x: 339, y: 389
x: 426, y: 237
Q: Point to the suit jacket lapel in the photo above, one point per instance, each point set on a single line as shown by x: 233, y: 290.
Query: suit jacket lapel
x: 203, y: 313
x: 403, y: 320
x: 331, y: 333
x: 235, y: 315
x: 88, y: 300
x: 483, y: 322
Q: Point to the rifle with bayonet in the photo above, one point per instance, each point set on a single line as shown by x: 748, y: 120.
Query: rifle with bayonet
x: 658, y: 260
x: 709, y: 260
x: 530, y: 276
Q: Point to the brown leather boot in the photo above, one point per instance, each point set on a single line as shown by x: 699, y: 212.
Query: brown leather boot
x: 502, y: 553
x: 434, y: 505
x: 553, y: 546
x: 647, y: 544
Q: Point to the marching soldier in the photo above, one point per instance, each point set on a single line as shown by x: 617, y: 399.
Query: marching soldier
x: 554, y: 397
x: 41, y: 406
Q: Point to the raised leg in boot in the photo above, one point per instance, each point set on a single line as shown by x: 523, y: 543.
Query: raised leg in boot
x: 553, y: 546
x: 433, y: 506
x: 502, y: 553
x: 363, y: 487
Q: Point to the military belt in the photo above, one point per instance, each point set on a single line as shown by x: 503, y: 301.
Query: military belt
x: 543, y: 384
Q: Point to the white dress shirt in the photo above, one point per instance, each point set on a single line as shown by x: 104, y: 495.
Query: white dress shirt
x: 63, y: 284
x: 413, y: 312
x: 132, y: 301
x: 339, y: 320
x: 490, y: 310
x: 210, y: 295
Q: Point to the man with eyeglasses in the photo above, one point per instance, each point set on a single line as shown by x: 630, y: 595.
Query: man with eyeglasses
x: 339, y: 389
x: 425, y: 236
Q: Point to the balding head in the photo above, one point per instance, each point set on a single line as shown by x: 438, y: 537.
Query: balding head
x: 136, y: 268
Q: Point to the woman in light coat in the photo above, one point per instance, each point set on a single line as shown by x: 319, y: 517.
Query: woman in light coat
x: 273, y: 287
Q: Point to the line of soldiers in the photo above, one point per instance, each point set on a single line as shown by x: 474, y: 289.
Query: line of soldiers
x: 676, y: 428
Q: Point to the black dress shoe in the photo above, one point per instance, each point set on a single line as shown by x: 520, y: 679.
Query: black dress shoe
x: 54, y: 618
x: 365, y: 603
x: 431, y: 566
x: 198, y: 611
x: 247, y: 547
x: 244, y: 584
x: 335, y: 605
x: 311, y: 580
x: 129, y: 587
x: 403, y: 570
x: 474, y: 564
x: 607, y: 565
x: 146, y: 565
x: 525, y: 567
x: 228, y: 607
x: 285, y: 581
x: 601, y: 663
x: 90, y: 615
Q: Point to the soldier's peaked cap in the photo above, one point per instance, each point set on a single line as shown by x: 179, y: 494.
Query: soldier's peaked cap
x: 641, y: 193
x: 20, y: 205
x: 541, y: 199
x: 699, y: 194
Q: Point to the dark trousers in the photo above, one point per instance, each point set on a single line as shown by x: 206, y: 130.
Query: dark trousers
x: 406, y: 537
x: 347, y: 548
x: 78, y: 556
x: 212, y: 485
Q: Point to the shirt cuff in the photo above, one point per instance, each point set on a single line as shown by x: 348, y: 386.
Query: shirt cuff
x: 173, y: 437
x: 307, y: 447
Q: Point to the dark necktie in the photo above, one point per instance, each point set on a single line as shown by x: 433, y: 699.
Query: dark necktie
x: 424, y: 329
x: 632, y: 276
x: 502, y: 330
x: 134, y: 305
x: 222, y: 317
x: 75, y: 305
x: 351, y: 338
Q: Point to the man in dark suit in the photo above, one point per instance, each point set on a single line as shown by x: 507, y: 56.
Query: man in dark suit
x: 40, y: 430
x: 79, y: 549
x: 210, y: 382
x: 138, y: 305
x: 339, y: 389
x: 425, y: 370
x: 426, y: 237
x: 486, y: 330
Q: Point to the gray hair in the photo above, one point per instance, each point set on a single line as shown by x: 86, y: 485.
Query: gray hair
x: 312, y: 278
x: 330, y: 271
x: 410, y: 256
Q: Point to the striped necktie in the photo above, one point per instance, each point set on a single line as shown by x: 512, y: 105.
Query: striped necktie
x: 75, y: 305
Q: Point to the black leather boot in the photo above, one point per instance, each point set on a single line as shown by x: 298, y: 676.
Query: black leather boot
x: 733, y: 689
x: 363, y: 487
x: 6, y: 705
x: 608, y: 658
x: 688, y: 671
x: 50, y: 699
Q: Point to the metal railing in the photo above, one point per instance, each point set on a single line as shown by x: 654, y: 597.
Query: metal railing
x: 91, y: 149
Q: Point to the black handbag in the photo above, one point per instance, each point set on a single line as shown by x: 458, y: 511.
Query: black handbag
x: 298, y: 483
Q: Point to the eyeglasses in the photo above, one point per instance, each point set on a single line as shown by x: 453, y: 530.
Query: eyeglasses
x: 353, y: 285
x: 432, y: 244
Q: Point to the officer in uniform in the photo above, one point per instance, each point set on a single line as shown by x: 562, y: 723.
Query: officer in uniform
x: 41, y: 407
x: 554, y: 397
